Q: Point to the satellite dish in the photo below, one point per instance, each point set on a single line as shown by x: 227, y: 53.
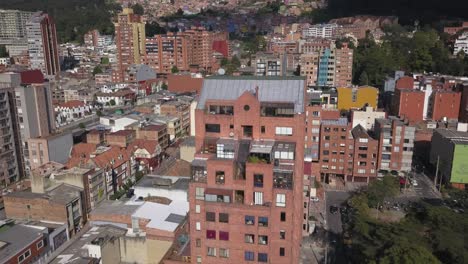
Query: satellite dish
x: 221, y: 71
x: 231, y: 134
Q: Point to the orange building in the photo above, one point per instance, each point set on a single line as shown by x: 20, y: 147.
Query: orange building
x: 357, y: 97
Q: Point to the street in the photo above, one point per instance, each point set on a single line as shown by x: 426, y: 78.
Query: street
x: 335, y: 253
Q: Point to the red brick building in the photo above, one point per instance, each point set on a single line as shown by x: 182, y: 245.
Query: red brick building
x: 184, y: 83
x: 163, y: 52
x: 409, y: 104
x: 444, y: 104
x: 246, y: 195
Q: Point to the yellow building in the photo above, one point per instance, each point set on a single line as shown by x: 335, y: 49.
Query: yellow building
x: 357, y: 97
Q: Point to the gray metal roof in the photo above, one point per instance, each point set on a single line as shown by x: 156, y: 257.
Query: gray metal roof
x: 16, y: 238
x: 282, y: 89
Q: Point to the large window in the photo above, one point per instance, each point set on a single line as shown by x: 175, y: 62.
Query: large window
x: 258, y: 198
x: 262, y: 257
x: 211, y: 252
x: 284, y: 131
x: 262, y: 221
x: 224, y: 253
x: 249, y: 256
x: 277, y: 110
x: 281, y: 200
x: 211, y: 234
x: 281, y: 252
x: 223, y: 218
x: 258, y: 180
x: 247, y: 131
x: 220, y: 177
x: 210, y: 216
x: 212, y: 128
x: 263, y: 240
x: 200, y: 193
x: 249, y: 238
x: 249, y: 220
x: 221, y: 109
x: 282, y: 180
x: 223, y: 235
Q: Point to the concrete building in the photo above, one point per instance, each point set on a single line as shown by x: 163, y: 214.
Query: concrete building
x: 13, y: 25
x: 396, y: 144
x: 319, y: 31
x: 121, y: 138
x: 181, y: 110
x: 23, y: 243
x: 268, y: 64
x: 154, y: 132
x: 309, y: 67
x: 357, y: 97
x: 246, y: 195
x: 11, y: 160
x: 335, y: 67
x: 62, y: 204
x: 461, y: 44
x: 54, y: 147
x: 449, y: 151
x: 130, y: 42
x: 42, y: 44
x: 90, y: 179
x: 366, y: 118
x: 173, y: 124
x: 35, y: 110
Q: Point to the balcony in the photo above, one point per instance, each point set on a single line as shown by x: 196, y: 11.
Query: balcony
x: 261, y: 151
x: 283, y: 180
x: 199, y: 173
x: 218, y: 195
x: 239, y: 197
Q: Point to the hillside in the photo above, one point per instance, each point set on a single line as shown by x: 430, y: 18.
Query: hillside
x: 72, y: 17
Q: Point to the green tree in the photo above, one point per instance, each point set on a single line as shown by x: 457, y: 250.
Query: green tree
x: 97, y: 70
x: 82, y: 126
x: 174, y: 69
x: 104, y: 60
x: 112, y: 102
x: 138, y: 9
x: 224, y: 62
x: 407, y: 253
x: 153, y: 28
x: 364, y: 79
x: 235, y: 61
x: 3, y: 52
x: 164, y: 86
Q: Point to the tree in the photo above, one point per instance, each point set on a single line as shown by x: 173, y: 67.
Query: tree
x: 3, y: 52
x: 235, y: 61
x: 82, y: 126
x: 224, y: 62
x: 164, y: 86
x: 364, y: 79
x: 407, y: 253
x: 154, y: 28
x: 138, y: 9
x: 174, y: 69
x: 105, y: 60
x: 97, y: 70
x: 112, y: 102
x: 297, y: 72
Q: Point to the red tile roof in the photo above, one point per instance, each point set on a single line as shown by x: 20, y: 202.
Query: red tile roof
x: 148, y: 145
x: 116, y: 154
x: 222, y: 47
x: 72, y: 104
x: 31, y: 76
x: 80, y: 154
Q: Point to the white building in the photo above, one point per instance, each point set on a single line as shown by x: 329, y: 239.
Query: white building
x: 119, y: 98
x: 71, y: 111
x: 461, y: 44
x: 366, y: 118
x: 319, y: 31
x: 117, y: 124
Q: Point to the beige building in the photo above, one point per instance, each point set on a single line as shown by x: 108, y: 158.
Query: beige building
x: 55, y: 147
x: 309, y: 67
x: 366, y: 118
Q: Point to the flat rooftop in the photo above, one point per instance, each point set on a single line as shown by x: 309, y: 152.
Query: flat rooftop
x: 164, y: 182
x: 14, y: 238
x: 77, y: 253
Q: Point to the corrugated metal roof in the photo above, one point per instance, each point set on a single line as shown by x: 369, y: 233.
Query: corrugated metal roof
x: 284, y: 89
x: 335, y: 122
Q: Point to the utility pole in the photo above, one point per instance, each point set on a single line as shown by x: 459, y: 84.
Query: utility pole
x: 437, y: 171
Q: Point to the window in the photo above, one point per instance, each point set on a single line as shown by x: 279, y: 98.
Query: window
x: 198, y: 242
x: 262, y: 257
x: 198, y: 226
x: 223, y: 218
x: 223, y: 235
x: 280, y: 199
x: 361, y: 171
x: 224, y: 253
x: 210, y: 216
x: 200, y: 193
x: 211, y: 252
x: 282, y: 234
x: 315, y: 130
x: 284, y: 131
x: 258, y: 180
x: 363, y: 140
x: 231, y: 126
x: 249, y: 238
x: 262, y: 129
x: 249, y: 220
x: 263, y: 240
x: 219, y: 177
x: 40, y: 244
x: 197, y: 208
x: 199, y: 259
x: 281, y: 253
x: 283, y: 216
x: 396, y: 149
x: 258, y: 198
x: 212, y: 128
x: 249, y: 256
x: 246, y: 107
x: 24, y: 256
x: 211, y: 234
x: 262, y: 221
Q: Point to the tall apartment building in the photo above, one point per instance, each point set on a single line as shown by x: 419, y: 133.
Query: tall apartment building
x: 408, y: 104
x: 396, y: 143
x: 319, y: 31
x: 11, y: 163
x: 35, y: 110
x: 166, y: 51
x: 268, y: 64
x: 130, y: 41
x: 328, y: 67
x: 246, y: 194
x: 42, y: 44
x: 13, y: 25
x: 444, y: 104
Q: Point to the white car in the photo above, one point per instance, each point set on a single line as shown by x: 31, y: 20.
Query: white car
x: 415, y: 183
x: 314, y: 199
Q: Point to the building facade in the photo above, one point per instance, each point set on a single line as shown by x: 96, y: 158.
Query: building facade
x: 163, y: 52
x: 42, y: 44
x: 246, y: 194
x: 13, y: 25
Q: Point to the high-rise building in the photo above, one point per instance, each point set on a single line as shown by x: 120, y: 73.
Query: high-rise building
x: 246, y: 194
x: 163, y: 52
x: 42, y: 44
x: 396, y: 144
x: 319, y: 31
x: 13, y: 25
x: 35, y: 110
x: 11, y: 163
x: 130, y: 40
